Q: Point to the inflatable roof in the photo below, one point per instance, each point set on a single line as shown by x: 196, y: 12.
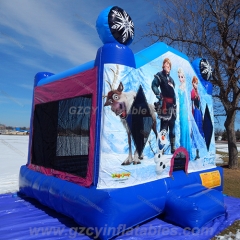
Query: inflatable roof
x: 126, y: 137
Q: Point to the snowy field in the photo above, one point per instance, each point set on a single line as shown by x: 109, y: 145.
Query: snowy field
x: 14, y: 152
x: 223, y: 147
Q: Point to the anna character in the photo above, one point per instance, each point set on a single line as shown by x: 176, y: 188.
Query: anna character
x: 196, y: 106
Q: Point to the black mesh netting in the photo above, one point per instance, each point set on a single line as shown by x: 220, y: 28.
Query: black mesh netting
x: 207, y: 127
x: 61, y: 133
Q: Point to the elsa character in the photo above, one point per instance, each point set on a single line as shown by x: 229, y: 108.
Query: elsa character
x: 185, y: 139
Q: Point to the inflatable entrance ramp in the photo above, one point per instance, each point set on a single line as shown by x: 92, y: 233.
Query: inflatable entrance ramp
x: 192, y: 205
x: 125, y: 137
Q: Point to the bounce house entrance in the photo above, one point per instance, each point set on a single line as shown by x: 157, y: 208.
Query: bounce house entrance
x: 179, y: 161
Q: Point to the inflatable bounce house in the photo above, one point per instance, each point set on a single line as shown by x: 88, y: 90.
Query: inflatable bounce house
x: 126, y: 137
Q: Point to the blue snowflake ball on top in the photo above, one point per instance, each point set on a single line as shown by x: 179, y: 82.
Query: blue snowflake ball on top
x: 114, y: 25
x: 205, y: 69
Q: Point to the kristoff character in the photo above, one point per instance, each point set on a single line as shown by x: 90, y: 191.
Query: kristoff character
x: 166, y: 105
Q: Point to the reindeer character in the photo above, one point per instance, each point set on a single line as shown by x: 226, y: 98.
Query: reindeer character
x: 121, y: 103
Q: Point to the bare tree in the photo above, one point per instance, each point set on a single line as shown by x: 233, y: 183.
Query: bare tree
x: 218, y: 132
x: 208, y: 29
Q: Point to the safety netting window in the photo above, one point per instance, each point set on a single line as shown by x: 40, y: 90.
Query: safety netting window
x: 61, y: 135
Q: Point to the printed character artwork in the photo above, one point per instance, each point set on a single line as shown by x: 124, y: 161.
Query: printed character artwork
x: 185, y: 140
x: 196, y: 106
x: 161, y: 160
x: 121, y: 104
x: 137, y: 141
x: 163, y: 87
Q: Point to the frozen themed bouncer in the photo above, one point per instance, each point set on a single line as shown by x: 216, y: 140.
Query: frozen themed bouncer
x: 125, y: 138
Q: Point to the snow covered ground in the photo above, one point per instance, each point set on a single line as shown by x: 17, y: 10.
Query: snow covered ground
x: 223, y: 147
x: 230, y: 236
x: 14, y: 153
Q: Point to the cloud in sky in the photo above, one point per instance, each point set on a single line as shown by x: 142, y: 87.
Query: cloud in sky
x: 26, y: 86
x: 49, y: 36
x: 43, y: 25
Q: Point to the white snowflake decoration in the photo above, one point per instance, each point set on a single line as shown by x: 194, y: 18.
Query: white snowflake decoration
x: 124, y: 23
x: 206, y: 69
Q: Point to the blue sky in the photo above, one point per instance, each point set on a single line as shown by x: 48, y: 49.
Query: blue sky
x: 51, y: 36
